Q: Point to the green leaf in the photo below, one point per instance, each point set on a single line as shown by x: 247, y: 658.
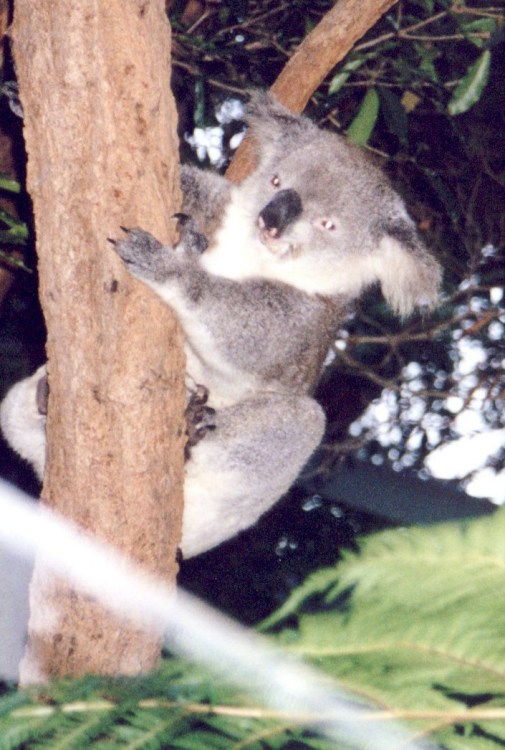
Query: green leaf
x: 486, y: 26
x: 445, y: 194
x: 9, y: 258
x: 361, y: 127
x: 18, y: 230
x: 469, y: 90
x: 394, y: 114
x: 9, y: 184
x: 199, y: 114
x: 340, y: 78
x: 426, y: 63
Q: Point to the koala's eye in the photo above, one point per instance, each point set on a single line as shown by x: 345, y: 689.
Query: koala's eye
x: 275, y: 181
x: 327, y: 224
x: 324, y: 224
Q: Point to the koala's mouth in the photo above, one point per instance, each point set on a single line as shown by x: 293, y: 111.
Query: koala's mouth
x: 277, y: 245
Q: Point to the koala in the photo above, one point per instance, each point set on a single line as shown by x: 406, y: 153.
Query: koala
x: 262, y: 278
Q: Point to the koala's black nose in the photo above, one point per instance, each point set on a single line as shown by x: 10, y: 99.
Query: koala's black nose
x: 280, y: 211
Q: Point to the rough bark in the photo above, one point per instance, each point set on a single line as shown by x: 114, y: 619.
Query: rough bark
x: 320, y: 51
x: 100, y: 132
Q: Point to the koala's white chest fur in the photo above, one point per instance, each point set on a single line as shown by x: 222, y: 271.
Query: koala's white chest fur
x: 236, y: 251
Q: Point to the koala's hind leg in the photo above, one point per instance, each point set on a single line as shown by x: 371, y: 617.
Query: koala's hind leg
x: 238, y: 471
x: 23, y: 419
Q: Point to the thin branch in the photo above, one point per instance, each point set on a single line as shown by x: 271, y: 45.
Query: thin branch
x: 195, y: 71
x: 252, y: 21
x: 260, y: 713
x: 433, y: 39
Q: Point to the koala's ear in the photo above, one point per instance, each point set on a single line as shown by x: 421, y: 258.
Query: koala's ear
x: 409, y: 275
x: 271, y: 122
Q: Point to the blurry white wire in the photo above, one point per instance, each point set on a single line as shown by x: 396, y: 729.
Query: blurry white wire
x: 191, y: 628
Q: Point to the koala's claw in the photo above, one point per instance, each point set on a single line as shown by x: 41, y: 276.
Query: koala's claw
x: 200, y: 418
x: 150, y: 260
x: 145, y: 256
x: 136, y: 245
x: 182, y: 218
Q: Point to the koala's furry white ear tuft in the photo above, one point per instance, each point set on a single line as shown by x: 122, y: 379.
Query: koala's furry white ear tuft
x: 409, y: 275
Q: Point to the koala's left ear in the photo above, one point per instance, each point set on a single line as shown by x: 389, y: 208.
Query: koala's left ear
x: 270, y: 121
x: 409, y: 275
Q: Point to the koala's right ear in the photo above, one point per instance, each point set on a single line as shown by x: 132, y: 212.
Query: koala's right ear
x: 408, y: 273
x: 271, y: 123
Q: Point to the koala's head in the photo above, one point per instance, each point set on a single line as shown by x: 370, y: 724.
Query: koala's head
x: 327, y: 218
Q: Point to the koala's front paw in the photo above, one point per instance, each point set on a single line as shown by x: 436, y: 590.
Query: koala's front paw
x: 191, y: 240
x: 200, y: 418
x: 144, y: 255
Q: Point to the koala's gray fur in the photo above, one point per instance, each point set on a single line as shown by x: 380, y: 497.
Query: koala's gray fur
x: 288, y: 251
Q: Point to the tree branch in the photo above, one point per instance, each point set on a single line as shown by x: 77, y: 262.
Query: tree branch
x: 320, y: 51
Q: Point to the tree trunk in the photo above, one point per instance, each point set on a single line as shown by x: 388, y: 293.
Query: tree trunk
x: 100, y: 133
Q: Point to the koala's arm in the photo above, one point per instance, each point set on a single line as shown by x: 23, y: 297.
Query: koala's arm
x: 268, y: 330
x: 205, y: 196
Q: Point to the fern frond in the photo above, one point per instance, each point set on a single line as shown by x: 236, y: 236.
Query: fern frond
x: 149, y: 713
x: 414, y: 620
